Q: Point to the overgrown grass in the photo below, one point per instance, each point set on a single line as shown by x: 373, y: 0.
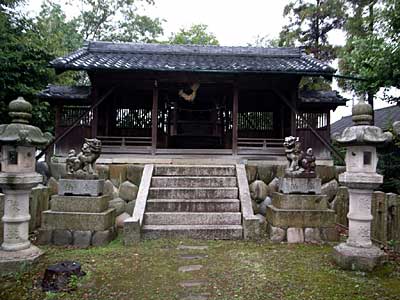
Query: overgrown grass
x: 233, y: 270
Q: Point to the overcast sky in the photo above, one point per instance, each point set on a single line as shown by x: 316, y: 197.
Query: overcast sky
x: 234, y: 22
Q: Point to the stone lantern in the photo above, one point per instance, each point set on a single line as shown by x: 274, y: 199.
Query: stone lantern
x: 18, y: 141
x: 361, y: 140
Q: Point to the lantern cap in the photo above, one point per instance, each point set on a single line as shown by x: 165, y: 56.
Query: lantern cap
x: 19, y: 132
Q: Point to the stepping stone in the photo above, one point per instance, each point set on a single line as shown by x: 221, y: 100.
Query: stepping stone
x: 192, y: 283
x: 190, y: 268
x: 193, y: 256
x: 195, y: 297
x: 184, y: 247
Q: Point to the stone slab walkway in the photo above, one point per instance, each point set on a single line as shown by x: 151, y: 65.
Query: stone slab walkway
x: 188, y: 285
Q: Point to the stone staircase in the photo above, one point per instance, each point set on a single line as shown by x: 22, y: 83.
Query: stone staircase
x: 193, y: 201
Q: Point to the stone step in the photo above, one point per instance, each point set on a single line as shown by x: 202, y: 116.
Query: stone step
x: 193, y: 205
x: 193, y: 181
x: 193, y: 170
x: 193, y: 193
x: 206, y: 232
x: 192, y: 218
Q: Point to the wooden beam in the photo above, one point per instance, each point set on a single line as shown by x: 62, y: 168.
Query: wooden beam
x: 66, y: 132
x: 95, y: 112
x: 235, y: 111
x: 154, y: 115
x: 322, y: 140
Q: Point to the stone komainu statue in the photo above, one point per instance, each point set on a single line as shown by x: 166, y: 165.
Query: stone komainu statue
x: 84, y: 162
x: 299, y: 162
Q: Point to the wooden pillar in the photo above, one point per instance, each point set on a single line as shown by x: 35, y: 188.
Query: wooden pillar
x: 154, y: 114
x: 282, y: 123
x: 235, y: 110
x: 293, y: 100
x: 95, y: 113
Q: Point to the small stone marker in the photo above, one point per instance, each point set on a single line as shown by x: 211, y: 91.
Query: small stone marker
x: 190, y: 268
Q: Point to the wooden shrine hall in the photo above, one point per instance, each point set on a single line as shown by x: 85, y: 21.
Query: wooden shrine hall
x: 176, y: 99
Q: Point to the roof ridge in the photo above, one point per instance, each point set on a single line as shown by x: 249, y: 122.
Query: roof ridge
x: 112, y: 47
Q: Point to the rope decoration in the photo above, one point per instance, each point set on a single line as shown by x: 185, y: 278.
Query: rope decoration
x: 190, y: 97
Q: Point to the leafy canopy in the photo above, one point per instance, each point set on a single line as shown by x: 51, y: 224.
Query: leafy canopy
x: 116, y: 20
x: 372, y: 50
x: 23, y: 61
x: 196, y: 35
x: 310, y: 22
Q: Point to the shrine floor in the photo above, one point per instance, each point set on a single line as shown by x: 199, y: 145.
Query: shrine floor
x: 188, y: 269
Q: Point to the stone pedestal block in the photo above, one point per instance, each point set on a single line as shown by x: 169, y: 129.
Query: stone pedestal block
x: 299, y: 201
x: 88, y: 204
x: 356, y: 258
x: 296, y: 185
x: 298, y: 218
x: 78, y: 220
x: 81, y: 187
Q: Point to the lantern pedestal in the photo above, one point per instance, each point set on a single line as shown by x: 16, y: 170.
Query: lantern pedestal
x: 16, y: 250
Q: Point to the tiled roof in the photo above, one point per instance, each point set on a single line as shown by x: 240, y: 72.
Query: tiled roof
x: 322, y: 97
x: 158, y: 57
x: 383, y: 118
x: 65, y: 92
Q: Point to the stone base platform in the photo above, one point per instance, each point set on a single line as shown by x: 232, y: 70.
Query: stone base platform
x: 298, y: 218
x: 77, y: 238
x: 358, y: 259
x: 15, y: 261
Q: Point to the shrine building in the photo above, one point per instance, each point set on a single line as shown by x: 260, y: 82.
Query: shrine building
x: 160, y: 100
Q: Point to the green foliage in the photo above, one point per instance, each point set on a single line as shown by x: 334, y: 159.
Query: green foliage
x: 372, y: 50
x: 27, y: 45
x: 59, y: 36
x: 310, y: 22
x: 196, y: 35
x: 23, y: 62
x: 116, y: 21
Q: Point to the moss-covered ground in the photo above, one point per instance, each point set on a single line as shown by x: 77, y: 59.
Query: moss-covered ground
x: 232, y: 269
